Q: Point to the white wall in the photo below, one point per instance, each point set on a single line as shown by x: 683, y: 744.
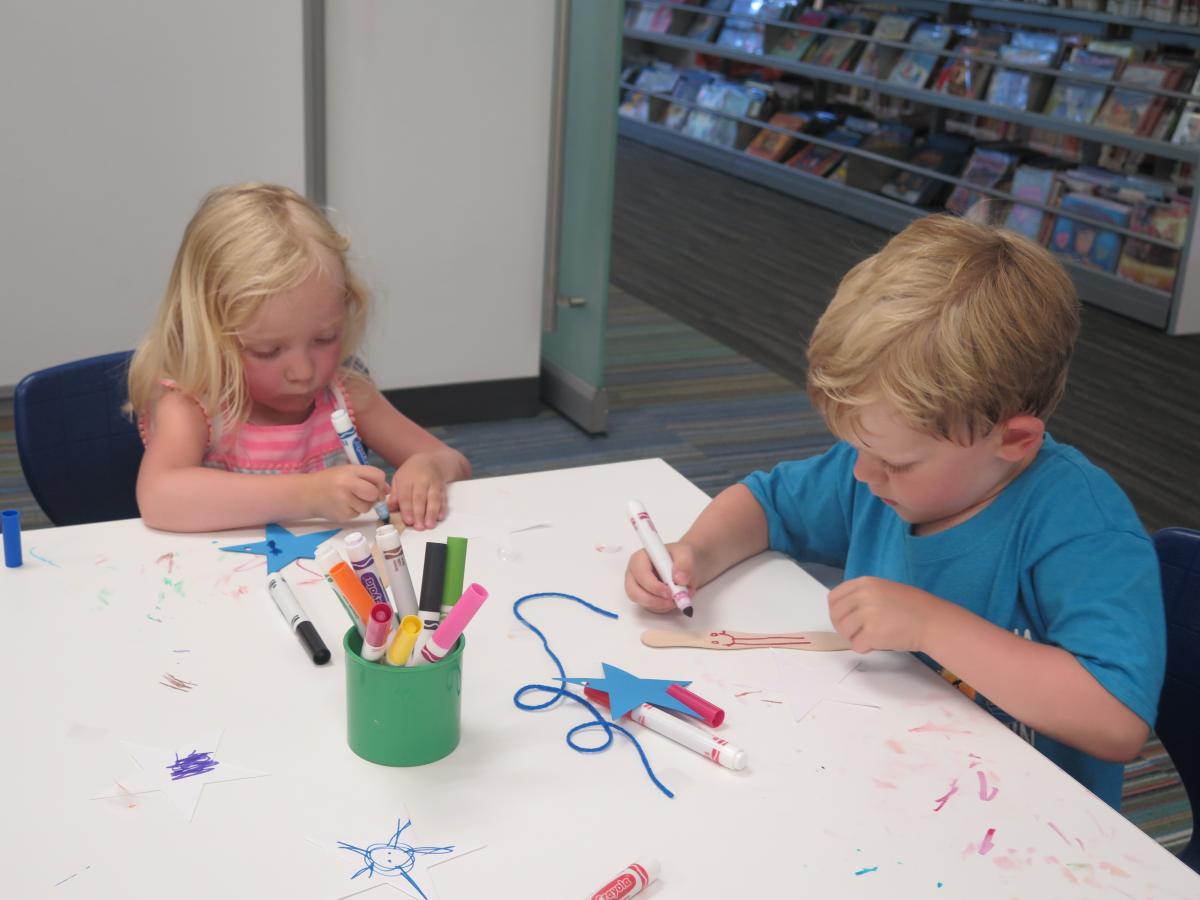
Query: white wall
x: 438, y: 135
x: 115, y: 118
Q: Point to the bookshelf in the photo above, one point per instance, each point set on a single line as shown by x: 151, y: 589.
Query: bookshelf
x: 1176, y: 310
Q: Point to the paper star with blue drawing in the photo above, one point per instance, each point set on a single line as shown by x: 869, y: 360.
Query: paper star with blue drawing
x: 179, y: 773
x: 626, y: 691
x: 282, y: 547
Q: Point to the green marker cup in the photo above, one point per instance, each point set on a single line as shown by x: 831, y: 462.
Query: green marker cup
x: 456, y: 565
x: 402, y: 716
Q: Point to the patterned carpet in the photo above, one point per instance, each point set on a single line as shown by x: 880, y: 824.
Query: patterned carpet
x: 712, y: 414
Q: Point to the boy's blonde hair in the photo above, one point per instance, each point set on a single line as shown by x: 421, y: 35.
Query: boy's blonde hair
x: 245, y: 243
x: 955, y: 325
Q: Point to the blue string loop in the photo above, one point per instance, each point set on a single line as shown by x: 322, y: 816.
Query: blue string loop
x: 559, y: 692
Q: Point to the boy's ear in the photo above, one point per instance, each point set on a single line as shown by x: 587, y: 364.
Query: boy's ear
x: 1021, y: 436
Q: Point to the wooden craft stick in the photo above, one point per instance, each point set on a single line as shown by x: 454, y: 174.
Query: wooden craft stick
x: 742, y: 640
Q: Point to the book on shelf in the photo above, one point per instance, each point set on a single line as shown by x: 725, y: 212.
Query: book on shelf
x: 793, y: 44
x: 1153, y: 264
x: 986, y: 168
x: 705, y: 27
x: 652, y: 15
x: 876, y: 61
x: 967, y: 76
x: 1039, y: 186
x: 941, y: 152
x: 746, y: 25
x: 687, y: 89
x: 708, y: 124
x: 915, y: 66
x: 818, y: 160
x: 838, y: 52
x: 659, y: 78
x: 1127, y: 50
x: 890, y: 139
x: 773, y: 145
x: 1016, y: 88
x: 1187, y: 129
x: 1087, y: 244
x: 1079, y: 101
x: 1136, y: 112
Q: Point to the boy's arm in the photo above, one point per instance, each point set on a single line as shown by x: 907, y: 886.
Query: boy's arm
x: 175, y: 492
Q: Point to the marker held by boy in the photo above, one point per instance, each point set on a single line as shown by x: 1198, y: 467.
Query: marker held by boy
x: 432, y: 578
x: 399, y: 652
x: 375, y: 642
x: 362, y: 561
x: 355, y: 452
x: 327, y: 558
x: 289, y: 607
x: 396, y: 566
x: 442, y: 641
x: 660, y: 558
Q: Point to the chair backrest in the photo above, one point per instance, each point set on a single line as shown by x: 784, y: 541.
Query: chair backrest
x: 1179, y: 707
x: 79, y: 453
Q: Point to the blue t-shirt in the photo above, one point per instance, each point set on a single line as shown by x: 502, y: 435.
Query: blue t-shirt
x: 1059, y: 557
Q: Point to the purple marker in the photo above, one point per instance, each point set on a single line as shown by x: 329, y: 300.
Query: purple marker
x: 441, y: 641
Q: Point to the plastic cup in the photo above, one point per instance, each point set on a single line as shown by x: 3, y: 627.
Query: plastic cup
x: 406, y: 716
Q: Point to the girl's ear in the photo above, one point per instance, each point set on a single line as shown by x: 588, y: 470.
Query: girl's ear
x: 1021, y: 436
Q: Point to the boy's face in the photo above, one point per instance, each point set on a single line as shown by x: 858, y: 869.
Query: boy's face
x: 931, y: 483
x: 291, y: 347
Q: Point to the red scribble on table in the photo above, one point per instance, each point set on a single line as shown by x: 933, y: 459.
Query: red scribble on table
x: 983, y: 788
x: 170, y: 558
x: 975, y: 760
x: 725, y: 639
x: 942, y: 729
x: 895, y: 746
x: 315, y: 580
x: 941, y: 801
x: 1116, y: 870
x: 744, y: 693
x: 253, y: 564
x: 879, y: 782
x: 177, y: 684
x: 986, y: 844
x: 100, y: 560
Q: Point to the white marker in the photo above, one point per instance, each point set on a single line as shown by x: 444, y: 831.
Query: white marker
x: 396, y: 567
x: 358, y: 552
x: 290, y: 609
x: 659, y: 557
x: 348, y: 435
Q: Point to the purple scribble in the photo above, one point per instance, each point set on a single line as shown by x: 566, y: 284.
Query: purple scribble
x: 941, y: 801
x: 983, y: 788
x: 986, y: 844
x: 195, y: 763
x: 1059, y: 833
x: 868, y: 870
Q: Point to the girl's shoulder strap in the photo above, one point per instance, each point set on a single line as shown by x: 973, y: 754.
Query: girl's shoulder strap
x: 168, y: 384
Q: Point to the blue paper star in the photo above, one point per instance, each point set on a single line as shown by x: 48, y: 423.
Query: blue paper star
x: 282, y: 547
x: 626, y: 691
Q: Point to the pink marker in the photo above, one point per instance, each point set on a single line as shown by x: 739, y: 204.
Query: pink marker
x: 709, y: 713
x: 379, y: 626
x: 442, y: 640
x: 630, y: 881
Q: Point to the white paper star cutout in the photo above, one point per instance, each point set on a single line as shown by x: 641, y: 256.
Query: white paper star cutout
x: 180, y: 773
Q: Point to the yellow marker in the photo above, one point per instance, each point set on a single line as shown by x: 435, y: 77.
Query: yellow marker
x: 402, y: 644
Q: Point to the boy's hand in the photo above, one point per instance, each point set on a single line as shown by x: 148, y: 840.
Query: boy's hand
x: 643, y: 585
x: 419, y: 492
x: 877, y: 614
x: 342, y: 492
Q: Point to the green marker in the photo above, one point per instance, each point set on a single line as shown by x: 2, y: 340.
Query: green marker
x: 456, y: 564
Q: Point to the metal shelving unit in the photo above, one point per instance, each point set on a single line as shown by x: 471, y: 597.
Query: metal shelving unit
x: 1178, y: 313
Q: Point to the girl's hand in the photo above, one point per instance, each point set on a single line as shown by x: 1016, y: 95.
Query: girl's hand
x: 642, y: 583
x: 341, y: 493
x: 878, y: 614
x: 419, y: 492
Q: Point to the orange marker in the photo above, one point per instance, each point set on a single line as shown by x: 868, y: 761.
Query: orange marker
x: 352, y: 589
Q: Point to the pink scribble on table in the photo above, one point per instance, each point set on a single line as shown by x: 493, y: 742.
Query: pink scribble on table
x: 1058, y: 831
x: 170, y: 558
x: 975, y: 760
x: 941, y: 801
x: 883, y: 784
x: 252, y: 564
x: 986, y: 844
x: 317, y: 580
x: 941, y: 729
x: 1116, y: 870
x: 100, y: 560
x: 895, y: 746
x: 983, y: 788
x: 744, y: 693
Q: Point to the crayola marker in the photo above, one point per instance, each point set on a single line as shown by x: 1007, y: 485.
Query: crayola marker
x: 432, y: 579
x: 352, y: 589
x: 660, y: 558
x: 355, y: 452
x: 400, y: 651
x: 630, y: 881
x: 456, y: 564
x: 396, y: 566
x: 327, y: 558
x: 442, y: 641
x: 362, y: 561
x: 375, y: 642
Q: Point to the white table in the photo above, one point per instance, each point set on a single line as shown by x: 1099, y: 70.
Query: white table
x: 839, y: 804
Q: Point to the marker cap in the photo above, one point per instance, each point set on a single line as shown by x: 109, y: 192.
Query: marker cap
x: 709, y: 713
x: 11, y: 519
x: 316, y: 647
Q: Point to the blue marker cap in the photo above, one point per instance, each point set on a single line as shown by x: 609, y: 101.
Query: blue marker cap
x: 11, y: 519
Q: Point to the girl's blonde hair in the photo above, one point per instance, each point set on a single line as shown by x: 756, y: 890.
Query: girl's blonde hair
x: 245, y: 243
x: 955, y: 325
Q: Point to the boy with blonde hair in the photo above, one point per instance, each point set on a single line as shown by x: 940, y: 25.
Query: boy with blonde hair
x: 967, y: 534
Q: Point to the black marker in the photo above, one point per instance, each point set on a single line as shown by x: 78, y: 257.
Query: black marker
x: 289, y: 606
x: 433, y: 578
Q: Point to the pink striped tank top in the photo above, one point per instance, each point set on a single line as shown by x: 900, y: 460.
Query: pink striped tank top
x: 307, y: 446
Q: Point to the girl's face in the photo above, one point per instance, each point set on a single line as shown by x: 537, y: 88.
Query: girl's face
x: 292, y: 345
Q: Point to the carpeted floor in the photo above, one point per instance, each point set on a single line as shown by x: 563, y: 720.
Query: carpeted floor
x: 712, y: 414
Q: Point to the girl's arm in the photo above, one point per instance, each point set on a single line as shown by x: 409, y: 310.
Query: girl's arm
x: 175, y: 492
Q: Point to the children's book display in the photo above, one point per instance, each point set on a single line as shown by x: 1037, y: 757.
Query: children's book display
x: 986, y: 168
x: 774, y: 145
x: 915, y: 66
x: 1154, y: 264
x: 1035, y: 184
x: 1086, y: 244
x: 878, y: 60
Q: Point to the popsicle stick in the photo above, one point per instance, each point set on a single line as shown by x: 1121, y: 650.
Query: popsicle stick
x: 743, y: 640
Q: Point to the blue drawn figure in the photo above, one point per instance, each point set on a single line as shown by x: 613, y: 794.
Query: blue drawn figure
x: 195, y: 763
x: 393, y: 858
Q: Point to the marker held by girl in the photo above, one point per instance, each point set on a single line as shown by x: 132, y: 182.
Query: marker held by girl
x: 355, y: 452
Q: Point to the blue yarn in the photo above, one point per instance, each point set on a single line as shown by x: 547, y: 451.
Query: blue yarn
x: 557, y: 693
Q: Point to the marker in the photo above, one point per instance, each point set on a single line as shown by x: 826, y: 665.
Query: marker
x: 456, y: 563
x: 352, y: 589
x: 296, y: 619
x: 717, y: 749
x: 363, y: 563
x: 709, y: 713
x: 379, y: 627
x: 630, y: 881
x: 355, y: 452
x: 659, y: 557
x: 396, y: 566
x: 400, y: 651
x: 442, y: 641
x: 10, y: 522
x: 432, y: 579
x: 327, y: 558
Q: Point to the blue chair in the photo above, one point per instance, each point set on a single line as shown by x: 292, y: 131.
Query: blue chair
x: 1179, y: 707
x: 79, y: 453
